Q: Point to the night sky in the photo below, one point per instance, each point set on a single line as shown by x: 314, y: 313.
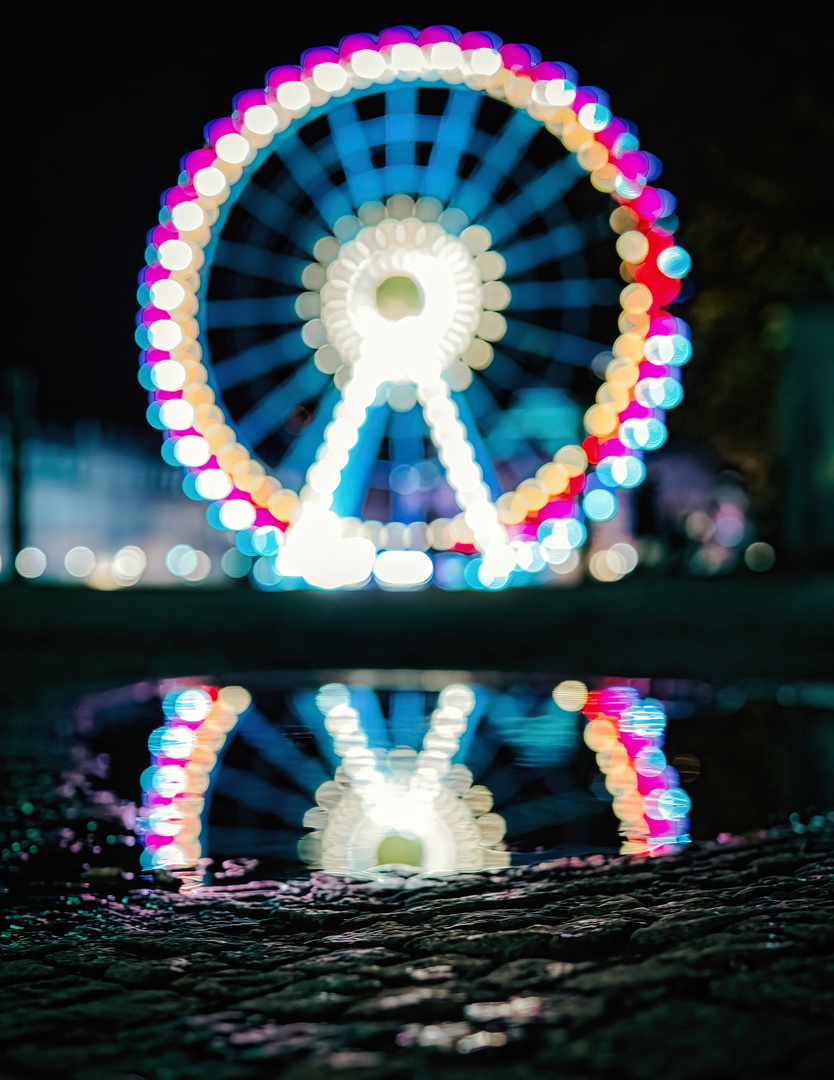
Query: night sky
x: 104, y: 109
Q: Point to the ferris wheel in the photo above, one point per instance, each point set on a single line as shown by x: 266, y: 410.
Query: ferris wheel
x: 387, y: 295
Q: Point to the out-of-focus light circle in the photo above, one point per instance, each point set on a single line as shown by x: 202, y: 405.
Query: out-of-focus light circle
x: 166, y: 820
x: 650, y: 761
x: 672, y: 349
x: 236, y: 698
x: 404, y: 479
x: 191, y: 705
x: 202, y: 568
x: 232, y: 147
x: 80, y: 562
x: 192, y: 450
x: 571, y: 695
x: 729, y: 530
x: 187, y: 217
x: 672, y: 804
x: 599, y: 504
x: 633, y: 246
x: 237, y: 514
x: 176, y: 414
x: 209, y: 182
x: 30, y: 562
x: 293, y: 96
x: 562, y: 533
x: 213, y: 484
x: 403, y: 569
x: 626, y: 472
x: 264, y: 572
x: 759, y: 556
x: 607, y: 566
x: 235, y: 564
x: 173, y: 742
x: 330, y: 77
x: 165, y: 334
x: 663, y: 393
x: 181, y: 560
x: 642, y: 434
x: 170, y: 780
x: 175, y: 254
x: 169, y: 375
x: 167, y: 294
x: 267, y: 540
x: 594, y: 117
x: 129, y: 564
x: 627, y: 553
x: 485, y: 61
x: 261, y: 119
x: 368, y: 63
x: 674, y: 262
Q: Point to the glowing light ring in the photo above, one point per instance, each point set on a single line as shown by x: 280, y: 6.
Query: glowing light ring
x: 184, y: 752
x: 627, y: 734
x: 641, y: 381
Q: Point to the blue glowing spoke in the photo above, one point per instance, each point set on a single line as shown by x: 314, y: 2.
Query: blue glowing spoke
x: 526, y: 255
x: 527, y: 817
x: 408, y: 718
x: 306, y: 382
x: 400, y: 126
x: 482, y: 699
x: 453, y: 138
x: 305, y: 707
x: 255, y: 793
x: 309, y: 174
x: 302, y: 452
x: 250, y: 312
x: 496, y: 166
x: 474, y: 437
x: 548, y: 187
x: 482, y: 752
x: 366, y: 703
x: 267, y: 207
x: 354, y: 151
x: 273, y: 746
x: 256, y: 262
x: 258, y: 843
x: 406, y: 433
x: 550, y: 344
x: 260, y: 359
x: 570, y: 293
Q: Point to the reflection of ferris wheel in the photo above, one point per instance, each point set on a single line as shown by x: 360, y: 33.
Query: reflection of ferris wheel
x: 373, y: 300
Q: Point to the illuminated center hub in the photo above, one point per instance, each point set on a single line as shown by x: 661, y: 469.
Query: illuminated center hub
x: 405, y: 298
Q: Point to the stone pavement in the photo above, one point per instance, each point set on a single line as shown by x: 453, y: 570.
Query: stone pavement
x: 717, y: 962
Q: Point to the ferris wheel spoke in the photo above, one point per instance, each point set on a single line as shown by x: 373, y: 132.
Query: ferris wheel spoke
x: 247, y: 260
x: 354, y: 151
x: 306, y: 772
x: 407, y: 718
x: 558, y: 295
x: 260, y: 359
x: 310, y: 175
x: 454, y: 137
x: 495, y: 168
x: 551, y: 344
x: 255, y: 793
x: 256, y: 842
x: 401, y: 126
x: 547, y: 188
x: 528, y: 254
x: 251, y: 311
x: 302, y: 452
x: 366, y: 702
x: 267, y: 207
x: 306, y: 382
x: 474, y: 436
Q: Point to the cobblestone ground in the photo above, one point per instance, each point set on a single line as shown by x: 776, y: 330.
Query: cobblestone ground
x: 716, y: 962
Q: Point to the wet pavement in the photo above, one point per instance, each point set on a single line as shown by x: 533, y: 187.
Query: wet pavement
x: 716, y: 962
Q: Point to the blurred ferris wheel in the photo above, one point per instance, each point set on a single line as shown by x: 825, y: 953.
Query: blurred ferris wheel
x: 377, y: 297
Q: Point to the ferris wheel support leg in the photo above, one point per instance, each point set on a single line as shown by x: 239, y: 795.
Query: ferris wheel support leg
x: 457, y: 456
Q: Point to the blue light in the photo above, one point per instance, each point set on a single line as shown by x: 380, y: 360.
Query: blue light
x: 599, y: 505
x: 674, y: 262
